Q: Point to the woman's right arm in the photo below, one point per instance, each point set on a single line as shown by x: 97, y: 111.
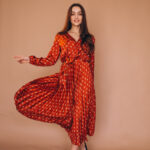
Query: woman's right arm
x: 52, y: 56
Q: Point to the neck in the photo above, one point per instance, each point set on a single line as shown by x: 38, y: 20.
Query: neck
x: 75, y: 29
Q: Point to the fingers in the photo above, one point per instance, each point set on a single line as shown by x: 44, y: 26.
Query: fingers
x: 26, y: 58
x: 18, y: 57
x: 21, y: 59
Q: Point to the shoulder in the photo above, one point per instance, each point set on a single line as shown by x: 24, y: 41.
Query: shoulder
x: 57, y: 36
x: 61, y: 39
x: 60, y: 35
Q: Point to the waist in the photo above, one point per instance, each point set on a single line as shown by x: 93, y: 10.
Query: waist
x: 71, y: 60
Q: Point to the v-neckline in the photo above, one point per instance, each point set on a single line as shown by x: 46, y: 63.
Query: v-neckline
x: 73, y: 37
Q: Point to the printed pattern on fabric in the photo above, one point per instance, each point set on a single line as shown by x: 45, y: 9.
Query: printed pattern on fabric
x: 66, y: 98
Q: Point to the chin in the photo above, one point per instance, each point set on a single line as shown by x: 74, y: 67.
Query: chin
x: 76, y: 24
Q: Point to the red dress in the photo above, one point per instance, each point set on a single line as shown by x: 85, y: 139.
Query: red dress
x: 67, y: 97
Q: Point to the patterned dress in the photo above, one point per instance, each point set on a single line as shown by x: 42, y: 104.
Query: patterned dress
x: 66, y: 98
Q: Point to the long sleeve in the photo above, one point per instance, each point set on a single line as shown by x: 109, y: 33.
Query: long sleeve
x: 52, y: 56
x: 92, y: 62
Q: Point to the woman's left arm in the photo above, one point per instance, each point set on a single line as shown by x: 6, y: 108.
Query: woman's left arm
x: 92, y: 62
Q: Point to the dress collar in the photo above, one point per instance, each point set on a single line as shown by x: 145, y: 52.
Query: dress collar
x: 73, y: 38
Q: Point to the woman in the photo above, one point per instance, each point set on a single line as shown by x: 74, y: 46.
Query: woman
x: 68, y: 97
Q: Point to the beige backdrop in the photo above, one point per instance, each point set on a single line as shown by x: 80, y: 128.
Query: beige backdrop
x: 122, y: 71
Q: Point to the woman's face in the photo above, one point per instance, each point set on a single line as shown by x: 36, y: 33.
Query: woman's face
x: 76, y: 16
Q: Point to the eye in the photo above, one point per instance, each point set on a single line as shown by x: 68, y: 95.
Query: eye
x: 78, y: 13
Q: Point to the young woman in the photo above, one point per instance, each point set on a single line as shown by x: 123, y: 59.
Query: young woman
x: 67, y: 97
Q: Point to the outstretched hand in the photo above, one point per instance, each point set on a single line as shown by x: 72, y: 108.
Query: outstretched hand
x: 22, y: 59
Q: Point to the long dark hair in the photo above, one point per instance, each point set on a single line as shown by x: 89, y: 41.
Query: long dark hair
x: 85, y: 35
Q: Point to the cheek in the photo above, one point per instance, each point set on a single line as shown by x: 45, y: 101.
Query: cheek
x: 72, y: 18
x: 80, y: 17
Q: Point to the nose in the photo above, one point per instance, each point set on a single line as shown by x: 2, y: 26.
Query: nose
x: 76, y: 15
